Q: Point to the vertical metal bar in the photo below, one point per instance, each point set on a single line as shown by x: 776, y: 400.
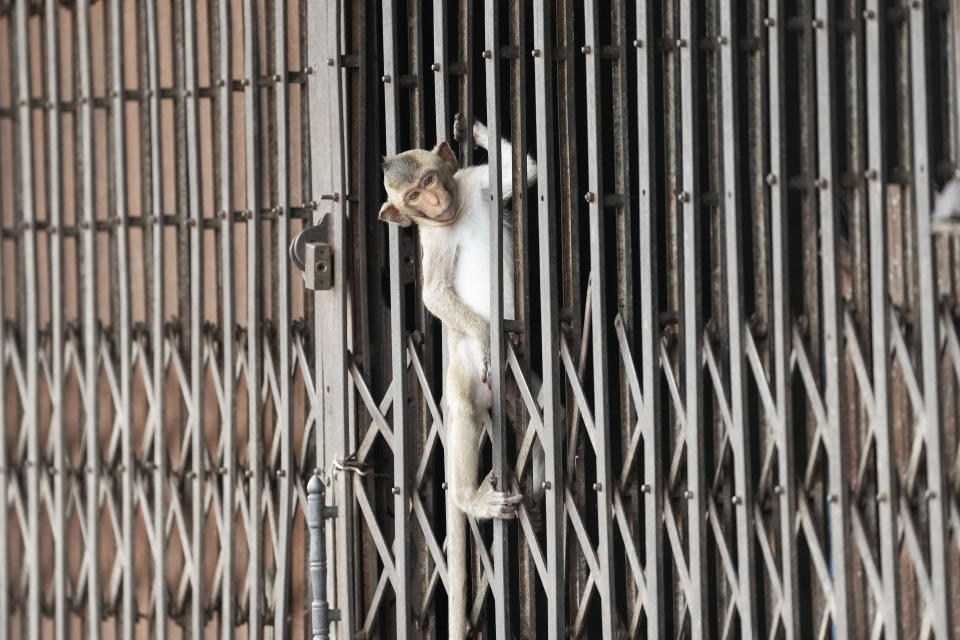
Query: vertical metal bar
x: 55, y: 237
x: 927, y: 302
x: 501, y: 563
x: 194, y: 216
x: 251, y: 128
x: 23, y: 127
x: 887, y: 498
x: 783, y: 434
x: 441, y: 78
x: 285, y: 416
x: 649, y: 323
x: 555, y: 585
x: 155, y: 211
x: 317, y: 513
x: 601, y: 398
x: 739, y: 439
x: 837, y: 445
x: 91, y: 336
x: 120, y: 214
x: 224, y: 120
x: 328, y: 166
x: 397, y: 343
x: 689, y: 198
x: 5, y: 587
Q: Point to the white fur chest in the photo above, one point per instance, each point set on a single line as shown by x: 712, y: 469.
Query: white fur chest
x: 471, y: 281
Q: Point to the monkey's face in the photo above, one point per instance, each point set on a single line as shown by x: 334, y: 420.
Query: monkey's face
x: 421, y: 187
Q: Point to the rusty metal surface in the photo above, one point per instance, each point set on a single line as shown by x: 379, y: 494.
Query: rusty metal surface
x: 736, y: 339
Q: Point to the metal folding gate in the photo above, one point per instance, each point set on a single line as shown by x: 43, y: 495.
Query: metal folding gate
x: 736, y: 336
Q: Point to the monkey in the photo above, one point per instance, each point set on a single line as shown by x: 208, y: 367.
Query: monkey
x: 451, y: 208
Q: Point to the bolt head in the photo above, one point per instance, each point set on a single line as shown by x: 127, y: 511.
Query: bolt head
x: 546, y: 485
x: 435, y: 66
x: 385, y: 79
x: 486, y: 53
x: 638, y: 43
x: 589, y: 196
x: 681, y: 43
x: 585, y: 49
x: 396, y: 491
x: 535, y: 53
x: 769, y: 22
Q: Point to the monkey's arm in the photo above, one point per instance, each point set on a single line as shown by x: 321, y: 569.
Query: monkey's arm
x: 481, y: 134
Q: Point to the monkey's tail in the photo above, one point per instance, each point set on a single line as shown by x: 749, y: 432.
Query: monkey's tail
x: 457, y: 570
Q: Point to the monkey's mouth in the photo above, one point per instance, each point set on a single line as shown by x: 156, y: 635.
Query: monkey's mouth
x: 449, y: 214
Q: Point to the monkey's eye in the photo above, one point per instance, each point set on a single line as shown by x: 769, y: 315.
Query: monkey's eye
x: 428, y: 181
x: 413, y: 196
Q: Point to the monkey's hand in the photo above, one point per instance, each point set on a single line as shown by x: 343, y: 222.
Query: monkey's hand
x: 481, y: 135
x: 457, y: 127
x: 490, y: 503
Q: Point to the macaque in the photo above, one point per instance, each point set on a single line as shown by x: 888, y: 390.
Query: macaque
x: 451, y: 206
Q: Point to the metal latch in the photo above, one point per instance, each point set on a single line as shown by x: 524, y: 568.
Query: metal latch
x: 312, y: 253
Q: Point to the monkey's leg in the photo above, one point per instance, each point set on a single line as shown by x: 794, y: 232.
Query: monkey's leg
x: 457, y: 572
x: 466, y: 408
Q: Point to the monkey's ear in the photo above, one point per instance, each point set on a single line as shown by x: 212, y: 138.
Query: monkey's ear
x: 446, y: 154
x: 390, y: 213
x: 384, y: 164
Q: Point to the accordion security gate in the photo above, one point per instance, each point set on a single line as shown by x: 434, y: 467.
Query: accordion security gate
x: 736, y: 337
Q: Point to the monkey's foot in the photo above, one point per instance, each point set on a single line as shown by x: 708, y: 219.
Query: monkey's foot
x: 481, y: 135
x: 490, y: 503
x: 457, y: 128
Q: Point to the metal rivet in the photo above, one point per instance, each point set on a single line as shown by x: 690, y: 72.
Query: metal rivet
x: 683, y: 196
x: 869, y: 14
x: 834, y: 498
x: 148, y: 93
x: 330, y: 63
x: 114, y: 94
x: 246, y: 82
x: 187, y: 93
x: 687, y: 494
x: 821, y: 183
x: 681, y: 43
x: 221, y: 82
x: 443, y: 485
x: 598, y: 486
x: 535, y: 53
x: 435, y: 66
x: 915, y: 4
x: 222, y: 214
x: 638, y: 43
x: 277, y: 77
x: 930, y: 494
x: 769, y: 22
x: 585, y: 49
x: 248, y: 474
x: 817, y: 24
x: 721, y: 40
x: 396, y: 491
x: 385, y: 79
x: 735, y: 500
x: 53, y: 229
x: 49, y: 105
x: 22, y: 102
x: 771, y: 179
x: 546, y: 485
x: 191, y: 222
x: 870, y: 174
x: 645, y: 488
x: 83, y: 99
x: 589, y: 196
x: 881, y: 497
x: 487, y: 54
x: 281, y: 473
